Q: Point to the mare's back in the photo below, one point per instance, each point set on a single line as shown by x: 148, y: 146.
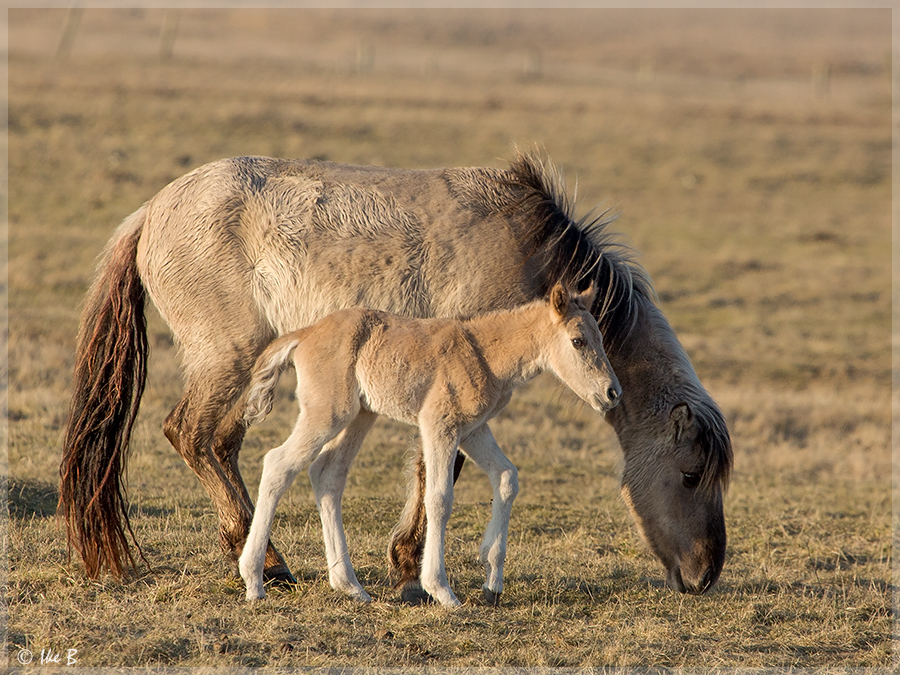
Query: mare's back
x: 301, y: 239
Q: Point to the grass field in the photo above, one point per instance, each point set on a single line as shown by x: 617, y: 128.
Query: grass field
x: 749, y: 155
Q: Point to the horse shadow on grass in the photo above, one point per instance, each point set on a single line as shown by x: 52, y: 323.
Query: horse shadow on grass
x: 38, y: 499
x: 31, y: 498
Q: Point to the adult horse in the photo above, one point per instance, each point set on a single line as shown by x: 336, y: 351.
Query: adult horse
x: 241, y: 250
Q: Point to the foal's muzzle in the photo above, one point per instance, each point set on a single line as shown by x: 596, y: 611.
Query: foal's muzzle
x: 610, y: 400
x: 614, y: 395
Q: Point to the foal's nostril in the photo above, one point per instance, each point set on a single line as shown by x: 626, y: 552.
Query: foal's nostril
x: 613, y: 394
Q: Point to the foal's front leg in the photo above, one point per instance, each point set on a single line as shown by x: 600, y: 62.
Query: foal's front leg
x: 481, y: 447
x: 440, y: 446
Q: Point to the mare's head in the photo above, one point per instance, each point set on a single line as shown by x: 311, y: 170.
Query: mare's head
x: 575, y: 352
x: 673, y: 479
x: 675, y: 442
x: 677, y: 450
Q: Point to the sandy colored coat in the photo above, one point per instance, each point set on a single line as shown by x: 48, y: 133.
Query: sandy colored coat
x: 241, y: 250
x: 448, y: 377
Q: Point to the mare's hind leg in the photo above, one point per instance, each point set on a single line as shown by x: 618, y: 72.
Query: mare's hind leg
x: 328, y: 474
x: 190, y: 428
x: 280, y: 466
x: 484, y: 451
x: 226, y: 446
x: 199, y: 428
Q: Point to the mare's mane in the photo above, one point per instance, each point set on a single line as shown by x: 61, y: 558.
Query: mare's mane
x: 577, y: 251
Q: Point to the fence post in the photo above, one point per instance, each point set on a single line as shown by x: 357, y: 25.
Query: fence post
x: 70, y: 30
x: 167, y: 36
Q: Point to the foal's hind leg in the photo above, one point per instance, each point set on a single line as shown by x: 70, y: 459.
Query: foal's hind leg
x: 280, y: 466
x: 226, y: 446
x: 484, y: 451
x: 328, y: 474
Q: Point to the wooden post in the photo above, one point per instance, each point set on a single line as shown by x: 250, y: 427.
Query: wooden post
x: 167, y: 36
x: 70, y: 30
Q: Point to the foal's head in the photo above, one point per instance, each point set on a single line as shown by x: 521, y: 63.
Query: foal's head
x: 575, y: 351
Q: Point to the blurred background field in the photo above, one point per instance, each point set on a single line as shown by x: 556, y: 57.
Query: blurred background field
x: 748, y: 153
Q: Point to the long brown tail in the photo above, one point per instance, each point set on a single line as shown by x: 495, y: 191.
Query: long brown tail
x: 110, y: 370
x: 408, y: 536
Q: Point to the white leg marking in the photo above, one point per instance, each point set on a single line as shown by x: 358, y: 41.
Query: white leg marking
x: 328, y: 474
x: 280, y: 467
x: 439, y: 448
x: 481, y: 447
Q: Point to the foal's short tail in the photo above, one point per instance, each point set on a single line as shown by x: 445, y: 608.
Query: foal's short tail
x: 110, y: 370
x: 261, y: 392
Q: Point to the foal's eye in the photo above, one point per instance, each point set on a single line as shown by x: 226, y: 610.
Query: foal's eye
x: 578, y: 343
x: 690, y: 480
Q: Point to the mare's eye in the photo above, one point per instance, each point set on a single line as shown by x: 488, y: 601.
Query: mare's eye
x: 578, y: 343
x: 690, y: 480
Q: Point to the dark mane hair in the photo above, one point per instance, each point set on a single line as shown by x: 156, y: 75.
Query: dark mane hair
x: 713, y: 437
x: 576, y: 252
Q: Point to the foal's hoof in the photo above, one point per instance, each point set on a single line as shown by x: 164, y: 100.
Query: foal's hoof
x: 491, y: 598
x: 279, y: 576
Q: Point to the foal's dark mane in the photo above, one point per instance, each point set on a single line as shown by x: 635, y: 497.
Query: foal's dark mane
x: 578, y: 251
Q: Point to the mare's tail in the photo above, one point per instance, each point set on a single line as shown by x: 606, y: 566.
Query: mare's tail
x: 261, y: 392
x: 110, y: 371
x: 408, y: 536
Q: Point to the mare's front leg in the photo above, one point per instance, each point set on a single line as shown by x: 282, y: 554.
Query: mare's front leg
x: 280, y: 466
x: 440, y: 446
x: 328, y: 474
x: 482, y: 449
x: 206, y: 428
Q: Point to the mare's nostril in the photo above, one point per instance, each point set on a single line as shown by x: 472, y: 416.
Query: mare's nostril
x: 613, y: 393
x: 708, y: 579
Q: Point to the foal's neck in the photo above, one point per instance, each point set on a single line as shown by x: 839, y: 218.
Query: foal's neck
x: 511, y: 342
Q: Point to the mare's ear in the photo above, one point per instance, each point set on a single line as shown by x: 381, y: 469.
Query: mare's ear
x: 559, y: 300
x: 681, y: 418
x: 586, y: 297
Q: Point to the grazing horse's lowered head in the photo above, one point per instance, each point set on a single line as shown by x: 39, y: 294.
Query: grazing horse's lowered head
x: 678, y: 461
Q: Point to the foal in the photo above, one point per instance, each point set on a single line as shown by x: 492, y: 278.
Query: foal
x: 447, y: 377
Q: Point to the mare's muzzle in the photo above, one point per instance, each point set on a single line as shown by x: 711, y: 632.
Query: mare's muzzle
x: 698, y: 586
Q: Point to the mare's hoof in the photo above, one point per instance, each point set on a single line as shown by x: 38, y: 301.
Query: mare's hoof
x: 279, y: 576
x: 414, y: 594
x: 491, y: 598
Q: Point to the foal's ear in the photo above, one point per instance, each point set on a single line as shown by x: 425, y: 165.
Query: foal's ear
x: 559, y: 300
x: 681, y: 418
x: 586, y: 297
